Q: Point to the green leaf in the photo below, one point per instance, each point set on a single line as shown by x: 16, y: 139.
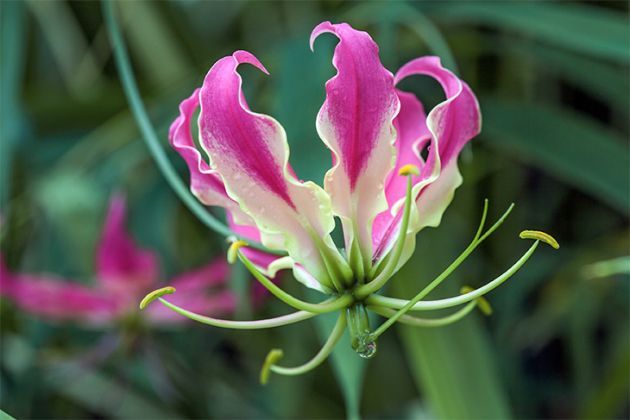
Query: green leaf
x: 5, y: 416
x: 585, y: 29
x: 12, y: 54
x: 602, y: 80
x: 103, y: 394
x: 580, y: 151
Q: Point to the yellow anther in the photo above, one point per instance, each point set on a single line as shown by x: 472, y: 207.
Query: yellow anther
x: 272, y: 358
x: 168, y: 290
x: 540, y: 236
x: 482, y: 303
x: 232, y: 253
x: 409, y: 169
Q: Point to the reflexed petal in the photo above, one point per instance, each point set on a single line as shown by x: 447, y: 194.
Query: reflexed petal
x: 205, y: 183
x: 58, y: 300
x: 356, y: 123
x: 451, y: 124
x: 121, y: 266
x: 250, y: 152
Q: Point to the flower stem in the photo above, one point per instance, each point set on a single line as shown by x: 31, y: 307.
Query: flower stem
x: 148, y: 131
x: 240, y: 325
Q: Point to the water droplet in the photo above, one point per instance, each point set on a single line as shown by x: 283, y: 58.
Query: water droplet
x: 365, y: 346
x: 368, y: 351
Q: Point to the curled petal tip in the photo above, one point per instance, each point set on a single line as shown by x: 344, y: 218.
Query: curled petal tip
x: 272, y: 358
x: 482, y: 303
x: 409, y: 169
x: 540, y: 236
x: 232, y: 253
x: 242, y: 56
x: 168, y: 290
x: 325, y: 26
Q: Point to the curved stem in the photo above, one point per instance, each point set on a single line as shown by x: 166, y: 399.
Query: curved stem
x: 240, y: 325
x: 322, y: 355
x: 148, y: 131
x: 421, y: 322
x: 385, y: 275
x: 318, y: 308
x: 429, y: 305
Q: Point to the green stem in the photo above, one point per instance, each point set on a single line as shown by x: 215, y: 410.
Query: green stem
x: 322, y: 355
x: 429, y: 305
x: 148, y: 131
x: 318, y: 308
x: 422, y: 322
x: 241, y: 325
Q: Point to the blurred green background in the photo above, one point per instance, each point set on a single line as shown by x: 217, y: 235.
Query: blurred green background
x: 553, y: 82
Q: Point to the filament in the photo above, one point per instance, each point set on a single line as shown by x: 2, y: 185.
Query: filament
x: 429, y: 305
x: 241, y: 325
x: 319, y: 358
x: 387, y: 272
x: 317, y: 308
x: 422, y: 322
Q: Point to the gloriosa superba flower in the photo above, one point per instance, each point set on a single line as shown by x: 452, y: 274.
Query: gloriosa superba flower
x: 380, y: 187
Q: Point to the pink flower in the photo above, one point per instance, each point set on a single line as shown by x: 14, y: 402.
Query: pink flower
x: 372, y: 129
x: 124, y: 274
x: 380, y: 187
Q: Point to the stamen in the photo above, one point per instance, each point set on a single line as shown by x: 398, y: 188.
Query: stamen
x: 232, y: 253
x: 482, y: 222
x: 380, y: 280
x: 318, y: 308
x: 319, y: 358
x: 409, y: 169
x: 272, y: 358
x: 361, y: 292
x: 422, y: 322
x: 150, y: 297
x: 241, y: 325
x: 540, y: 236
x: 482, y: 302
x: 376, y: 300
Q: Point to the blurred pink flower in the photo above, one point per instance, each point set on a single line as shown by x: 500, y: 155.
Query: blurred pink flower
x: 124, y: 274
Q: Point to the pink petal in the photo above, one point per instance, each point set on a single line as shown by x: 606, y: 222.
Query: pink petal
x: 205, y: 183
x: 412, y: 135
x: 356, y: 123
x: 121, y: 266
x: 451, y: 124
x: 250, y: 152
x: 454, y: 121
x: 215, y: 274
x: 57, y: 300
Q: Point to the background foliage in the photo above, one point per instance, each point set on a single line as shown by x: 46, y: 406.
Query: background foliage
x: 553, y: 82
